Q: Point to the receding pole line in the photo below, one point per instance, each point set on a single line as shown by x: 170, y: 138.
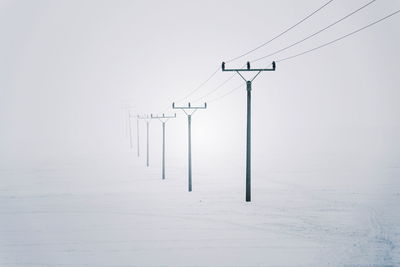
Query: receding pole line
x: 248, y: 125
x: 189, y: 114
x: 164, y: 120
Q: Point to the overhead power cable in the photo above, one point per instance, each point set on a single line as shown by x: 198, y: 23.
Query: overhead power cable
x: 195, y: 90
x: 200, y: 86
x: 313, y: 49
x: 264, y: 44
x: 216, y: 88
x: 315, y: 33
x: 298, y: 42
x: 226, y: 94
x: 280, y: 34
x: 340, y: 38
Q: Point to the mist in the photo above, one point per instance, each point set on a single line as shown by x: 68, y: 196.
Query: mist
x: 328, y: 120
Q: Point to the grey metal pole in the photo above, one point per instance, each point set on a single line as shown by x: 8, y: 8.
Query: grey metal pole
x: 147, y: 160
x: 190, y: 151
x: 248, y: 144
x: 248, y: 129
x: 130, y: 131
x: 164, y: 120
x: 189, y: 114
x: 163, y: 150
x: 137, y: 132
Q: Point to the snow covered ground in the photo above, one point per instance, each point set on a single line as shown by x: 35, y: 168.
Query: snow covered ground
x: 123, y: 214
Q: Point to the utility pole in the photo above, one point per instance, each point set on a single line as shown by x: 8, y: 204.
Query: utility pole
x: 137, y: 134
x: 189, y: 116
x: 147, y: 118
x: 127, y: 122
x: 248, y: 128
x: 130, y: 128
x: 163, y: 119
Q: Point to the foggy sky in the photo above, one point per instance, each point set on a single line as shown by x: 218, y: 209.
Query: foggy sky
x: 68, y: 68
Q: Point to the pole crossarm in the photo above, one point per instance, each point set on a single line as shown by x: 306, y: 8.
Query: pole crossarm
x: 163, y: 118
x: 189, y: 106
x: 249, y: 69
x: 144, y: 117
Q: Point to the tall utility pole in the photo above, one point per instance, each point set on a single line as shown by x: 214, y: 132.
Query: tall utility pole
x: 189, y: 116
x: 248, y: 131
x: 163, y: 119
x: 147, y: 118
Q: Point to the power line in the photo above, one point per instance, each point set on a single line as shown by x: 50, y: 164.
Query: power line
x: 226, y: 94
x: 282, y: 33
x: 296, y: 43
x: 252, y: 50
x: 304, y: 52
x: 313, y: 49
x: 195, y: 90
x: 216, y: 88
x: 338, y: 39
x: 316, y: 33
x: 200, y: 86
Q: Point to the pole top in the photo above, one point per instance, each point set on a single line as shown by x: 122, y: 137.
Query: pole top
x: 189, y: 106
x: 248, y: 68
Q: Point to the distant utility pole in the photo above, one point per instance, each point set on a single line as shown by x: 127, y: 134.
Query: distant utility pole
x: 130, y: 128
x: 248, y: 143
x: 137, y: 134
x: 189, y: 116
x: 147, y: 118
x: 163, y: 119
x: 127, y: 115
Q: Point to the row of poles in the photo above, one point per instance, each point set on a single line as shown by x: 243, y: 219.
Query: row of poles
x: 189, y: 110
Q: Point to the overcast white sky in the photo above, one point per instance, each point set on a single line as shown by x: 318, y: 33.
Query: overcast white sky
x: 68, y: 67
